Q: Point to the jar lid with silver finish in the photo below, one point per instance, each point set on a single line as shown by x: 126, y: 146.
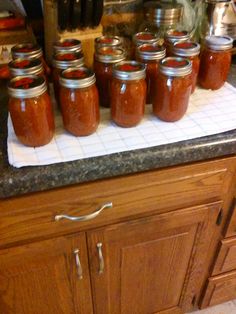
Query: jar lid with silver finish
x: 176, y: 35
x: 108, y: 41
x: 26, y: 51
x: 63, y: 60
x: 29, y: 86
x: 145, y: 38
x: 175, y: 66
x: 77, y: 77
x: 186, y: 49
x: 219, y: 42
x: 19, y: 67
x: 66, y: 45
x: 151, y: 52
x: 129, y: 70
x: 110, y: 54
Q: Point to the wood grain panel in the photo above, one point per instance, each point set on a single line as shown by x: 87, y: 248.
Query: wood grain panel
x: 226, y: 259
x: 220, y: 289
x: 32, y: 216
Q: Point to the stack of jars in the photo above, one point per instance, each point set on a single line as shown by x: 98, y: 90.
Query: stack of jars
x: 163, y: 75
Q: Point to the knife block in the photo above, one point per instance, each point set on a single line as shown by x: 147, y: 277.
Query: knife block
x: 52, y: 34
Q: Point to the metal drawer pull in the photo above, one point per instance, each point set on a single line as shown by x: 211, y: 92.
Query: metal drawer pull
x: 78, y: 264
x: 86, y: 217
x: 101, y: 259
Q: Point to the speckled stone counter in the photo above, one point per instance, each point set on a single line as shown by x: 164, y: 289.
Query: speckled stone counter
x: 15, y: 181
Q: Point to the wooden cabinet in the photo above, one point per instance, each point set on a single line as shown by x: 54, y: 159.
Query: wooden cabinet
x: 149, y: 253
x: 42, y: 277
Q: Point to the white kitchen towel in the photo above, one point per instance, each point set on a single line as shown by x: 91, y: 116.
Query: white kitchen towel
x: 209, y: 112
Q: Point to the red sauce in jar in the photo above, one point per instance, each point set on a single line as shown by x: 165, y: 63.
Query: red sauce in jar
x: 172, y: 96
x: 80, y: 105
x: 128, y: 95
x: 32, y: 118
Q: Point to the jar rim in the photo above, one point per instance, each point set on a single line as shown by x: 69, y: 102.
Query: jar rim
x: 26, y: 50
x: 148, y: 38
x: 107, y: 54
x: 27, y: 86
x: 67, y: 44
x: 80, y: 77
x: 107, y: 40
x: 176, y: 35
x: 129, y: 70
x: 217, y: 42
x: 152, y: 52
x: 186, y: 49
x: 72, y: 59
x: 175, y: 66
x: 25, y: 66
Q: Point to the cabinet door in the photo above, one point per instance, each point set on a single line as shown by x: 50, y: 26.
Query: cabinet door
x: 151, y: 265
x: 43, y: 277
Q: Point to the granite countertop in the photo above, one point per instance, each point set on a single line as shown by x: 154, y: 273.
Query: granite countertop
x: 24, y: 180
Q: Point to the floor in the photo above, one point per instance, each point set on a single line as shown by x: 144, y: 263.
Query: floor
x: 226, y: 308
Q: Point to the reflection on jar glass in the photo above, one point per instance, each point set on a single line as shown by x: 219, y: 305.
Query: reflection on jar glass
x: 174, y: 89
x: 31, y: 110
x: 62, y: 61
x: 104, y: 59
x: 215, y: 61
x: 150, y: 55
x: 189, y: 50
x: 128, y: 93
x: 79, y: 101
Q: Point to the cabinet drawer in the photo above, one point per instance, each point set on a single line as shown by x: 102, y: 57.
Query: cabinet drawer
x: 226, y: 260
x: 220, y: 289
x: 133, y: 196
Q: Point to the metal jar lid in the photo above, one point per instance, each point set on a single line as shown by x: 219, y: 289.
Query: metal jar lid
x: 110, y: 54
x: 219, y: 42
x: 163, y: 12
x: 67, y: 45
x: 175, y: 66
x: 27, y: 86
x: 108, y: 41
x: 145, y: 38
x: 151, y: 52
x: 186, y: 49
x: 63, y: 60
x: 77, y: 77
x: 26, y: 51
x: 129, y: 70
x: 175, y: 35
x: 19, y: 67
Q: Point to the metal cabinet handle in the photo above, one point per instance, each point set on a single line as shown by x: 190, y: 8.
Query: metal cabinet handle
x: 78, y: 264
x: 101, y: 259
x: 86, y: 217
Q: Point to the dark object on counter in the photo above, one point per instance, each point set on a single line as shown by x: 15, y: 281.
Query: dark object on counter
x: 75, y: 14
x: 63, y: 10
x: 97, y: 12
x: 87, y: 13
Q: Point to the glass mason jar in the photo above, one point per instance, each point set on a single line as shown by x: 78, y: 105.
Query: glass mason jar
x: 23, y: 67
x: 108, y: 41
x: 174, y: 89
x: 62, y: 61
x: 30, y: 51
x: 150, y: 55
x: 173, y: 36
x: 67, y: 45
x: 159, y: 17
x: 128, y: 93
x: 191, y: 51
x: 31, y: 110
x: 104, y: 59
x: 142, y: 38
x: 215, y: 61
x: 79, y: 101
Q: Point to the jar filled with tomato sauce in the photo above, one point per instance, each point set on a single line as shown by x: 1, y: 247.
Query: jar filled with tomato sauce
x: 30, y: 51
x: 173, y: 36
x: 174, y: 89
x: 128, y: 93
x: 31, y: 110
x: 150, y: 55
x: 191, y: 51
x: 215, y: 61
x: 79, y: 101
x: 108, y: 41
x: 62, y: 61
x: 142, y: 38
x: 67, y: 45
x: 24, y: 67
x: 104, y: 59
